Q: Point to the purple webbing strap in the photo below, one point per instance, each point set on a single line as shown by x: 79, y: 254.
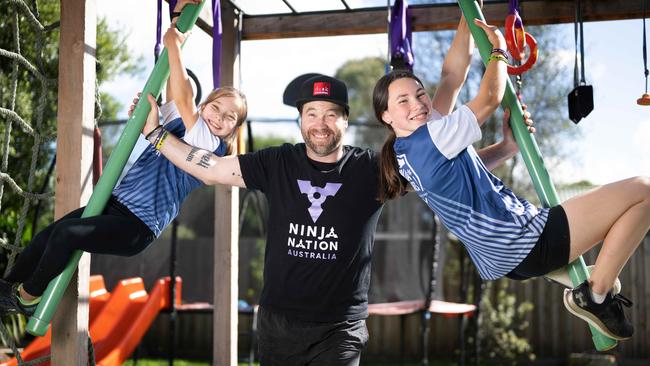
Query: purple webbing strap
x: 156, y: 49
x: 401, y: 36
x: 513, y: 6
x: 513, y: 9
x: 217, y: 32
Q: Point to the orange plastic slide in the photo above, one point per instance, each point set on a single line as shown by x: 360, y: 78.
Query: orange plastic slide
x: 117, y: 321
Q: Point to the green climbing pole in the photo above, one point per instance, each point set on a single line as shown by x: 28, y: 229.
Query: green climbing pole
x: 39, y: 322
x: 531, y: 155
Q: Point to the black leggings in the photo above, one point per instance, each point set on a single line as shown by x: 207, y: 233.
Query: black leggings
x: 116, y: 231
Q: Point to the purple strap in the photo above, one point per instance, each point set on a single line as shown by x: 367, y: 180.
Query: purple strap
x: 401, y: 36
x: 513, y: 9
x: 158, y: 46
x: 217, y: 32
x: 513, y: 6
x: 156, y: 49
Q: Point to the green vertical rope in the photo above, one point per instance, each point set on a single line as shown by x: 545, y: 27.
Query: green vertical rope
x: 39, y: 322
x: 531, y: 154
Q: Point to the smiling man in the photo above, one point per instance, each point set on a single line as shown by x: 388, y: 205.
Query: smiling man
x: 323, y: 204
x: 324, y: 209
x: 324, y: 114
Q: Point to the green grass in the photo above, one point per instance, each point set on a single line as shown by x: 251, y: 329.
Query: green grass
x: 150, y: 362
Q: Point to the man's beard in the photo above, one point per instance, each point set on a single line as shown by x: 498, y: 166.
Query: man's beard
x: 333, y: 143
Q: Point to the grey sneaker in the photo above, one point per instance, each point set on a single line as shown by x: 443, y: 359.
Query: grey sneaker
x: 607, y: 317
x: 6, y: 304
x: 9, y: 302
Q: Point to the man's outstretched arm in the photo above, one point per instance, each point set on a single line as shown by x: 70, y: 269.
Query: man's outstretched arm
x: 200, y: 163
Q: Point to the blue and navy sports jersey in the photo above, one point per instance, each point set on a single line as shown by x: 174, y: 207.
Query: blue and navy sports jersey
x: 154, y: 188
x: 498, y: 228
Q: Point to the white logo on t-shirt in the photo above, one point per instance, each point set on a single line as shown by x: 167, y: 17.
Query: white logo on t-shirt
x: 317, y: 196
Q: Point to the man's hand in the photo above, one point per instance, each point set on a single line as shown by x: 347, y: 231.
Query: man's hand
x: 153, y: 120
x: 135, y: 102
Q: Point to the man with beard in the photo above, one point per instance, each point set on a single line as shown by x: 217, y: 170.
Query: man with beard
x: 323, y: 202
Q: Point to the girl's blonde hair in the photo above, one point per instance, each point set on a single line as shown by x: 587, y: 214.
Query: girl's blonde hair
x: 229, y: 91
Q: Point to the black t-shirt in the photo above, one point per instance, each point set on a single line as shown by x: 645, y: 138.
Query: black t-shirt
x: 320, y: 230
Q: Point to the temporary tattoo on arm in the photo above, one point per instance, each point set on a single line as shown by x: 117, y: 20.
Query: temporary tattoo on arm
x: 190, y: 156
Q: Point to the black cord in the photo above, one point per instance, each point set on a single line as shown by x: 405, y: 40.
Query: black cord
x: 197, y: 83
x: 577, y: 26
x: 582, y: 46
x: 645, y: 48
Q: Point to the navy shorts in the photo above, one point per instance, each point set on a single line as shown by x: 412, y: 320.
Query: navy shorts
x: 284, y: 341
x: 551, y: 251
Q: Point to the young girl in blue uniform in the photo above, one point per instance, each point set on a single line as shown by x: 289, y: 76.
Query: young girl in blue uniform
x: 146, y: 199
x: 504, y: 234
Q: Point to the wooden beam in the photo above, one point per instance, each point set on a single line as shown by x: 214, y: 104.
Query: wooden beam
x: 75, y: 122
x: 226, y: 226
x: 429, y: 18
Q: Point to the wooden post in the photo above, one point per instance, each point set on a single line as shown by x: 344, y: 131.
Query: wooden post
x: 76, y: 106
x: 226, y: 232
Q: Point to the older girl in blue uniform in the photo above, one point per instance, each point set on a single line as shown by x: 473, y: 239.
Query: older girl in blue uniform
x: 145, y: 200
x: 504, y: 234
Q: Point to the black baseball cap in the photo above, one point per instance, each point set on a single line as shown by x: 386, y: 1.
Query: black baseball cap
x: 323, y: 87
x: 292, y: 90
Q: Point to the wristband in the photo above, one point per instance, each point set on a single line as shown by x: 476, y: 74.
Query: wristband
x: 152, y: 132
x: 162, y: 138
x: 498, y: 58
x: 500, y: 51
x: 157, y: 138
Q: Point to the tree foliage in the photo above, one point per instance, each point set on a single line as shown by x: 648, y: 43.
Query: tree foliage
x: 18, y: 34
x: 360, y: 76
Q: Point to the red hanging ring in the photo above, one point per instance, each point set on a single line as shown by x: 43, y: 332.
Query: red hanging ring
x: 532, y: 57
x: 515, y: 36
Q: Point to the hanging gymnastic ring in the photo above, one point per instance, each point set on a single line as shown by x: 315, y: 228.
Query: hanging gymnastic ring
x: 515, y: 36
x: 532, y: 57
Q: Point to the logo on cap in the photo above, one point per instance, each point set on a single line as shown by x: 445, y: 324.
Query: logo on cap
x: 321, y: 88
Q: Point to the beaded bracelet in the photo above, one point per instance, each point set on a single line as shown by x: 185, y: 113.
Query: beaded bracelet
x: 500, y: 51
x: 498, y: 58
x: 161, y: 140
